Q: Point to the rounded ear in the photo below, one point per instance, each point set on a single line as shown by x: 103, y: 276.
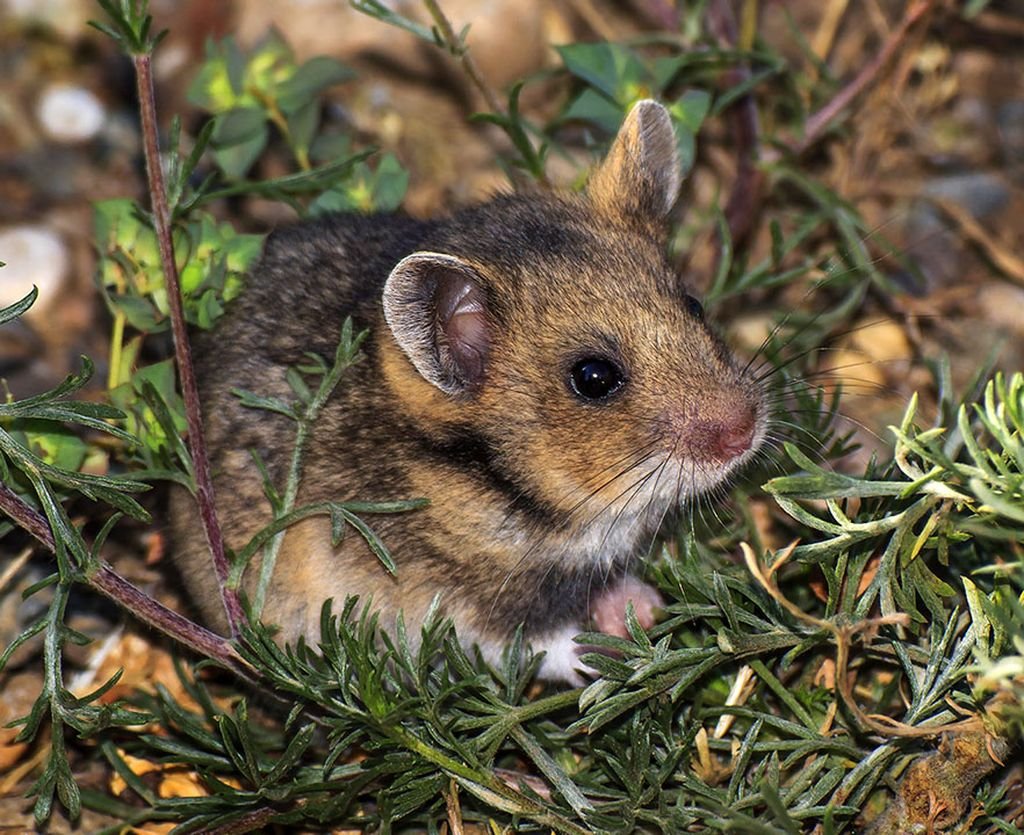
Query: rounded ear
x: 437, y: 313
x: 640, y: 176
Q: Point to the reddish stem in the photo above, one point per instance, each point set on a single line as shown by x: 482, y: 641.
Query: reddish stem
x: 182, y: 350
x: 111, y: 584
x: 744, y: 201
x: 819, y: 122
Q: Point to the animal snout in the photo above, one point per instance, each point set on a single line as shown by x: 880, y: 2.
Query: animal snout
x: 718, y: 437
x: 732, y: 438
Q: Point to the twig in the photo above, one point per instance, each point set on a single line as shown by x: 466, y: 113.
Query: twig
x: 825, y: 35
x: 594, y: 19
x: 112, y: 585
x: 454, y: 809
x: 183, y: 353
x: 660, y: 12
x: 457, y: 48
x: 249, y: 822
x: 25, y: 517
x: 745, y: 197
x: 454, y: 44
x: 1002, y: 257
x: 820, y: 121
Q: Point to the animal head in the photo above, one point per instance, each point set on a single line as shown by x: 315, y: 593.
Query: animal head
x: 554, y: 328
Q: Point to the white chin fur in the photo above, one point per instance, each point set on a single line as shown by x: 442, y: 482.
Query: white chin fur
x: 562, y: 659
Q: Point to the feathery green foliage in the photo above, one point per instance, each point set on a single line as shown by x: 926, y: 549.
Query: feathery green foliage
x: 773, y: 696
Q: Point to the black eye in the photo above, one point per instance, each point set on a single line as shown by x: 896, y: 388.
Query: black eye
x: 594, y: 378
x: 693, y: 307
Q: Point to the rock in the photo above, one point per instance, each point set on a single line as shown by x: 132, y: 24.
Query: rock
x: 1003, y: 306
x: 882, y: 341
x: 34, y: 255
x: 66, y: 17
x: 934, y: 246
x: 20, y: 692
x: 1010, y: 122
x: 748, y: 332
x: 853, y: 369
x: 980, y: 193
x: 70, y: 114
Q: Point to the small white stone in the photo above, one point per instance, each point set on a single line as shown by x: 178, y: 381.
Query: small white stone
x: 66, y: 17
x: 70, y: 114
x: 34, y: 255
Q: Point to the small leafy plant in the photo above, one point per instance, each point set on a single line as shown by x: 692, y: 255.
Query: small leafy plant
x: 787, y: 686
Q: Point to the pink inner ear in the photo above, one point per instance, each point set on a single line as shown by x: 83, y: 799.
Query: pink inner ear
x: 464, y: 322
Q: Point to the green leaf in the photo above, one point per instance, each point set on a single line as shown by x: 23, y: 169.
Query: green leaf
x: 269, y: 404
x: 688, y: 113
x: 302, y: 126
x: 239, y: 125
x: 236, y: 160
x: 15, y: 310
x: 389, y: 184
x: 382, y: 12
x: 690, y: 109
x: 141, y: 313
x: 611, y: 68
x: 371, y: 538
x: 310, y: 79
x: 596, y: 108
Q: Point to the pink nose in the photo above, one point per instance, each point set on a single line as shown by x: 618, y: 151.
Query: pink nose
x: 733, y: 439
x: 721, y: 436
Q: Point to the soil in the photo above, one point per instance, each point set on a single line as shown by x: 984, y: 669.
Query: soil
x: 932, y: 157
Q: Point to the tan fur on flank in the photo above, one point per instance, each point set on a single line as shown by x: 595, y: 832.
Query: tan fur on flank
x: 482, y: 326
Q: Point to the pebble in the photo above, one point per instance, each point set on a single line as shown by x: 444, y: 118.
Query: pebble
x: 70, y: 114
x: 1010, y: 121
x: 65, y: 17
x: 934, y: 246
x: 1002, y: 305
x: 980, y: 193
x: 748, y: 332
x: 881, y: 340
x: 34, y: 255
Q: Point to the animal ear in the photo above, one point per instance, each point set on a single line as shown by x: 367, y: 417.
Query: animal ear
x: 640, y: 176
x: 434, y: 305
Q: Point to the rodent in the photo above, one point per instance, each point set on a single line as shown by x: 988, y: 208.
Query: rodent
x: 534, y: 367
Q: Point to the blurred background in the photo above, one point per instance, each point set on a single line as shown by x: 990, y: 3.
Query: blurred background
x: 932, y: 159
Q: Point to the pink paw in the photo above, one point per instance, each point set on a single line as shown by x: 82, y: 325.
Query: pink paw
x: 609, y: 610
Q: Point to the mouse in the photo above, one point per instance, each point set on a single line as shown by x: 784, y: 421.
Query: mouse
x: 534, y: 366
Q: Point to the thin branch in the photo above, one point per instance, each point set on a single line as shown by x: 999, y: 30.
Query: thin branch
x: 457, y: 47
x: 744, y: 201
x: 454, y: 44
x: 249, y: 822
x: 183, y: 353
x: 26, y: 517
x: 112, y: 585
x: 818, y: 123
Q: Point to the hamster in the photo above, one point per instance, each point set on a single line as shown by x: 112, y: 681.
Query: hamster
x: 534, y: 367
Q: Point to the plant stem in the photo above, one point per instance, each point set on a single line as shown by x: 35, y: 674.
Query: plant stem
x: 745, y: 198
x: 459, y: 50
x: 183, y: 353
x: 344, y: 357
x: 273, y: 547
x: 818, y: 122
x: 116, y: 349
x: 112, y: 585
x: 518, y: 802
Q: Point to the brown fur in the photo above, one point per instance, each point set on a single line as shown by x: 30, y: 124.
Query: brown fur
x: 533, y: 509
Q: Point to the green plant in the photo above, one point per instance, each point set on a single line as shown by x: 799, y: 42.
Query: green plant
x: 776, y: 694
